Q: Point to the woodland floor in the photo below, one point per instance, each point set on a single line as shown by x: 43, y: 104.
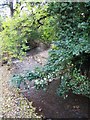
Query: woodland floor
x: 47, y: 103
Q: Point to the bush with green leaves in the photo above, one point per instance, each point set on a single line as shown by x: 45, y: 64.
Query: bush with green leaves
x: 17, y: 31
x: 24, y: 30
x: 69, y: 56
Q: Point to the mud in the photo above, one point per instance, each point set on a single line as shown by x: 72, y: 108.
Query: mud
x: 47, y: 102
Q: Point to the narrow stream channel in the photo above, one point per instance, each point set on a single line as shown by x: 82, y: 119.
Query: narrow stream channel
x: 47, y: 102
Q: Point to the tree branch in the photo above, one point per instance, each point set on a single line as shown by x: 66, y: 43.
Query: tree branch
x: 39, y: 20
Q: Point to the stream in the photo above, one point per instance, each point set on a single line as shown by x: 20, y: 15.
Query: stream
x: 47, y: 102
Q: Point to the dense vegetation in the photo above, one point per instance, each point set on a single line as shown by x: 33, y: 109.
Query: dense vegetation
x: 25, y: 30
x: 67, y: 27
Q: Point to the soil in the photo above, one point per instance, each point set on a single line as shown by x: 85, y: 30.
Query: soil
x: 47, y: 102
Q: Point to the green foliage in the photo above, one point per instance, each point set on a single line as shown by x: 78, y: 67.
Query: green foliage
x: 70, y: 52
x: 15, y: 34
x: 22, y: 30
x: 47, y: 30
x: 77, y: 83
x: 16, y: 80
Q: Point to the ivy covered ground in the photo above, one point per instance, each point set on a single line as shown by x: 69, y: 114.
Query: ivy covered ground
x: 18, y: 103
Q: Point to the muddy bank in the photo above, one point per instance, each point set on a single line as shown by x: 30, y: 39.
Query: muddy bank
x: 52, y: 106
x: 47, y: 102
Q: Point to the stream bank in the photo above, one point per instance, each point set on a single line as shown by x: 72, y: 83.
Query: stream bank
x: 47, y: 103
